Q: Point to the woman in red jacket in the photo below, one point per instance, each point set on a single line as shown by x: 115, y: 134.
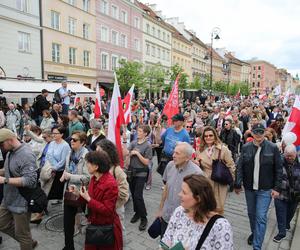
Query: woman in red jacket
x: 101, y: 197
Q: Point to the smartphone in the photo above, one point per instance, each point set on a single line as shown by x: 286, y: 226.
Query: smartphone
x: 82, y: 185
x: 163, y: 245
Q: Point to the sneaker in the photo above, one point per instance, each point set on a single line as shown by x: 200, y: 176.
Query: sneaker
x: 34, y: 244
x: 250, y: 240
x: 143, y: 224
x: 148, y: 187
x: 278, y: 238
x: 135, y: 218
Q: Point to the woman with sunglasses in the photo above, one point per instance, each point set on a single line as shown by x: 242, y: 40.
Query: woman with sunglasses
x: 75, y: 173
x: 210, y: 146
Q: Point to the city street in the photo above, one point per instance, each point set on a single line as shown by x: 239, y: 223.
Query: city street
x: 235, y: 212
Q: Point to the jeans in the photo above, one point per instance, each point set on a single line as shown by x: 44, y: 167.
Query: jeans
x: 65, y: 109
x: 136, y: 188
x: 16, y: 226
x: 285, y: 211
x: 258, y: 203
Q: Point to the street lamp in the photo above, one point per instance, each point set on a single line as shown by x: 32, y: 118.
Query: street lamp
x: 214, y: 35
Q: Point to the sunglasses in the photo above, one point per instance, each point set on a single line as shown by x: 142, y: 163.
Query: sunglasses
x: 258, y: 132
x: 226, y: 124
x: 208, y: 136
x: 188, y: 127
x: 74, y: 139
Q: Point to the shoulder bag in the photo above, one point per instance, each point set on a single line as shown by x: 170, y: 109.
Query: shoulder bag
x: 207, y: 229
x: 220, y: 172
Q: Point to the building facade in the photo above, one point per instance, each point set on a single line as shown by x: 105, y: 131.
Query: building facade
x: 69, y: 39
x: 218, y: 62
x: 157, y: 39
x: 20, y: 39
x: 263, y: 76
x: 246, y: 73
x: 234, y: 68
x: 119, y: 36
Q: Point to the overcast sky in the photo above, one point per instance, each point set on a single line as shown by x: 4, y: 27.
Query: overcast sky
x: 266, y: 29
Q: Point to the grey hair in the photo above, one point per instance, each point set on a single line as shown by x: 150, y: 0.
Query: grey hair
x: 95, y: 124
x: 290, y: 149
x: 187, y: 148
x: 47, y: 132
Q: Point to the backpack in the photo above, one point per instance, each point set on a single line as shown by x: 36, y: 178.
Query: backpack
x: 57, y: 98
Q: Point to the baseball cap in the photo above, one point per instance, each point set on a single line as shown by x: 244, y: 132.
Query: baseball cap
x: 258, y: 128
x: 178, y: 117
x: 6, y: 134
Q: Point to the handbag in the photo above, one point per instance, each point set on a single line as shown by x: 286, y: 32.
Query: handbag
x: 163, y: 164
x: 220, y: 172
x: 46, y: 172
x: 100, y: 235
x: 71, y: 199
x: 207, y: 229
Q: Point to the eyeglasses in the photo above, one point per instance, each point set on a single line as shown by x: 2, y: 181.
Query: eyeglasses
x: 258, y: 132
x: 227, y: 124
x: 206, y: 136
x: 74, y: 139
x: 55, y: 133
x: 188, y: 127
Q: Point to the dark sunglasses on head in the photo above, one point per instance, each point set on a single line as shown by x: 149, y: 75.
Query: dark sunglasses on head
x: 74, y: 139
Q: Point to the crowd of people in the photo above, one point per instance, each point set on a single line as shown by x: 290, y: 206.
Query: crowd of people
x: 61, y: 147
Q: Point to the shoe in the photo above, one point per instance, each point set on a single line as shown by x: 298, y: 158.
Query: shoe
x: 278, y: 238
x: 0, y: 239
x: 135, y: 218
x: 250, y: 240
x: 148, y: 187
x: 288, y: 227
x: 143, y: 224
x: 36, y: 222
x: 57, y: 202
x: 34, y: 244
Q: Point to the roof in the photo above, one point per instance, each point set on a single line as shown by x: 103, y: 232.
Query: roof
x: 215, y: 54
x: 232, y: 58
x: 195, y: 39
x: 26, y: 86
x: 178, y: 35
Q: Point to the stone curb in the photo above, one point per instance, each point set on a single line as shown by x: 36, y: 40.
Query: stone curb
x: 296, y: 240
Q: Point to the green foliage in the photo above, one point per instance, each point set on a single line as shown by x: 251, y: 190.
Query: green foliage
x: 220, y: 86
x: 183, y: 80
x: 196, y: 84
x: 206, y: 82
x: 243, y: 87
x: 154, y: 76
x: 129, y: 73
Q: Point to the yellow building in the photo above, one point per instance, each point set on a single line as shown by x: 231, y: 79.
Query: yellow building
x: 182, y: 52
x: 234, y: 67
x: 69, y: 40
x: 217, y: 66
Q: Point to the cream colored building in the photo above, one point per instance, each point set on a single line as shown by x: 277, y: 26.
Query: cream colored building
x: 246, y: 72
x: 182, y: 52
x: 69, y: 39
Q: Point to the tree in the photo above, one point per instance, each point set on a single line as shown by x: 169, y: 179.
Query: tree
x: 219, y: 86
x: 154, y: 77
x: 129, y: 73
x: 196, y: 84
x: 183, y: 80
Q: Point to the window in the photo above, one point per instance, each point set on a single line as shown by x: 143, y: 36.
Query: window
x: 123, y: 16
x: 153, y: 51
x: 55, y: 19
x: 86, y: 5
x: 24, y: 42
x: 258, y: 76
x: 164, y: 55
x: 72, y: 2
x: 158, y: 34
x: 147, y: 49
x: 72, y: 25
x: 114, y: 62
x: 168, y: 38
x: 114, y: 37
x: 259, y: 68
x: 164, y: 36
x: 168, y: 56
x: 123, y: 41
x: 22, y: 5
x: 254, y: 68
x: 72, y: 55
x: 55, y: 52
x: 253, y: 76
x: 86, y: 58
x: 104, y: 7
x: 85, y: 30
x: 114, y: 12
x: 104, y: 34
x: 258, y: 84
x: 253, y: 84
x: 153, y: 31
x: 104, y: 61
x: 136, y: 44
x: 148, y: 28
x: 136, y: 23
x: 158, y: 52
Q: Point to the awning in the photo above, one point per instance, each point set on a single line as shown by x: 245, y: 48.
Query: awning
x: 106, y: 85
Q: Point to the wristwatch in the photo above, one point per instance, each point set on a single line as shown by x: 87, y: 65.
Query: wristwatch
x: 6, y: 180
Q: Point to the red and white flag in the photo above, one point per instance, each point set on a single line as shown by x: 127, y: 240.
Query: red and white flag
x: 116, y: 120
x: 127, y: 105
x: 263, y: 97
x: 172, y: 105
x: 76, y: 99
x: 286, y: 97
x: 291, y: 131
x: 228, y: 112
x: 97, y: 108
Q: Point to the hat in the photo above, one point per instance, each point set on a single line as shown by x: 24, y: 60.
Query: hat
x: 178, y: 117
x: 6, y: 134
x: 258, y: 127
x: 155, y: 229
x: 279, y: 118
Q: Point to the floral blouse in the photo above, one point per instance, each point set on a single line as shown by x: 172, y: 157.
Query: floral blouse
x: 181, y: 228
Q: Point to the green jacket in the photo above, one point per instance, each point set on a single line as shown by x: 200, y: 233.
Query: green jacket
x: 77, y: 125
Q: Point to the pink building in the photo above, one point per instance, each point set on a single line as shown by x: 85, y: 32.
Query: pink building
x: 119, y: 36
x: 263, y: 76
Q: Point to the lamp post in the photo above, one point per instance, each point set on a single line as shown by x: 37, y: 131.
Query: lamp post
x: 214, y: 35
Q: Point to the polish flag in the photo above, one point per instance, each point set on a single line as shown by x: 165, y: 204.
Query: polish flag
x: 76, y: 99
x: 127, y: 105
x: 291, y: 131
x: 263, y: 97
x: 228, y: 112
x: 172, y: 105
x: 116, y: 120
x: 97, y: 108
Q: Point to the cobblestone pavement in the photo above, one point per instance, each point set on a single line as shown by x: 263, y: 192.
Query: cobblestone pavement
x: 235, y: 211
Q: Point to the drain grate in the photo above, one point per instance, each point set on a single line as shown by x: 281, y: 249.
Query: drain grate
x: 55, y: 223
